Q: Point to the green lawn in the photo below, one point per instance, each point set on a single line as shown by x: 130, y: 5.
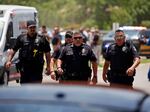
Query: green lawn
x: 145, y: 60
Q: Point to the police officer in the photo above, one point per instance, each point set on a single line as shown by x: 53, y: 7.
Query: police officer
x: 73, y: 62
x: 32, y: 48
x: 56, y: 53
x: 122, y: 58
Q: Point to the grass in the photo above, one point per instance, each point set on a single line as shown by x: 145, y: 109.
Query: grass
x: 145, y: 60
x: 100, y: 65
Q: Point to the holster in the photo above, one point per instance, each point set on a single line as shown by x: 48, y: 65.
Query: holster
x: 111, y: 74
x: 57, y: 75
x: 19, y: 66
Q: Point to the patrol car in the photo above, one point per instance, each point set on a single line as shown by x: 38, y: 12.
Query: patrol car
x: 145, y: 47
x: 72, y: 98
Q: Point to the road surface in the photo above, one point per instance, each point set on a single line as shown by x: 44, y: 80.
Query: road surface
x: 140, y: 82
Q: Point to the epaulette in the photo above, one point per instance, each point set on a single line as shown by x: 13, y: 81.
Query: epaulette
x: 129, y: 44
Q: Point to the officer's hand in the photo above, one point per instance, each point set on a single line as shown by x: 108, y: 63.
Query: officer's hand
x: 94, y: 80
x: 47, y: 71
x: 8, y: 64
x: 53, y: 75
x: 130, y: 71
x: 60, y: 71
x: 105, y: 78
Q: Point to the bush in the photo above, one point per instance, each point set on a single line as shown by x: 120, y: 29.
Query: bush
x: 146, y: 23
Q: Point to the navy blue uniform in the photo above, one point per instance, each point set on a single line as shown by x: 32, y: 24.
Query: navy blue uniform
x: 31, y: 53
x: 76, y: 62
x: 56, y: 53
x: 121, y: 58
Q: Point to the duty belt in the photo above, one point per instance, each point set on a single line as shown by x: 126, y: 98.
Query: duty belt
x: 73, y: 74
x: 116, y: 73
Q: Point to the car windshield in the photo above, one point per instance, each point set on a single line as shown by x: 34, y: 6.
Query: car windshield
x: 1, y: 28
x: 109, y: 35
x: 131, y: 33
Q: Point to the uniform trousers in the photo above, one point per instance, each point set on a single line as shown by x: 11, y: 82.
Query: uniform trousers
x: 31, y: 73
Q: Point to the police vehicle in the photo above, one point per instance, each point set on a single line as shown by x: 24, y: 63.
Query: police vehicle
x: 72, y: 98
x: 145, y: 46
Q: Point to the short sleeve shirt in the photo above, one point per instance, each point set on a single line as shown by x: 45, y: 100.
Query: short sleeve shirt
x: 31, y: 48
x: 77, y: 58
x: 121, y: 57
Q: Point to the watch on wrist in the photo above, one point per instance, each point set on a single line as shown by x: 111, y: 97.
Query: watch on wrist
x: 58, y: 67
x: 51, y: 72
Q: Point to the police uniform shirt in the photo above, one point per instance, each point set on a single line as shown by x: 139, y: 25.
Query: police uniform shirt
x: 121, y: 57
x: 56, y: 53
x: 76, y: 59
x: 31, y: 47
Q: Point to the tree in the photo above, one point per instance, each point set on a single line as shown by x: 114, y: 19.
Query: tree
x: 88, y: 13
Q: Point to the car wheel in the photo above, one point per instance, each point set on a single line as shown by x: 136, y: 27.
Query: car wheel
x: 5, y: 78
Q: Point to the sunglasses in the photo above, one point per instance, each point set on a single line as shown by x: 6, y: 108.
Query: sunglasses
x: 77, y: 38
x: 119, y: 37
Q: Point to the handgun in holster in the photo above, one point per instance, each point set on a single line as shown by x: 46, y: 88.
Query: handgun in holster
x: 109, y: 76
x: 19, y: 66
x: 57, y: 75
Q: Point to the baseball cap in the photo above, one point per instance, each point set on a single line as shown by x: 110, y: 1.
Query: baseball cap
x: 31, y: 23
x: 69, y: 34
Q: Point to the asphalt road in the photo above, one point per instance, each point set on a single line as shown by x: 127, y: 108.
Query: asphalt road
x: 141, y: 82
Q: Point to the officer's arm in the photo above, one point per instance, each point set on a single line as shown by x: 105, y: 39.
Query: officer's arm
x: 136, y: 58
x: 94, y: 67
x: 130, y: 71
x: 59, y: 62
x: 52, y: 62
x: 52, y: 72
x: 137, y: 61
x: 48, y: 57
x: 11, y: 54
x: 105, y: 69
x: 59, y: 69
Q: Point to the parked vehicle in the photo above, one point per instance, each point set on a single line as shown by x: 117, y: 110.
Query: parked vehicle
x: 144, y: 46
x: 13, y: 22
x: 72, y: 98
x: 10, y: 74
x: 131, y: 32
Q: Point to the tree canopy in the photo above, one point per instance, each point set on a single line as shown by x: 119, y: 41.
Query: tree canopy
x: 89, y: 13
